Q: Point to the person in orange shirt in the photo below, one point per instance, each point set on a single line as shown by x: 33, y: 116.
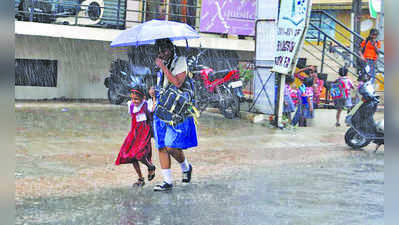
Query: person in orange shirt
x: 369, y: 51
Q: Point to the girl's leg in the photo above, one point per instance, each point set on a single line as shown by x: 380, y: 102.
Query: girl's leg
x: 304, y: 122
x: 151, y: 168
x: 302, y: 117
x: 289, y: 117
x: 140, y: 181
x: 147, y: 161
x: 296, y: 118
x: 137, y: 168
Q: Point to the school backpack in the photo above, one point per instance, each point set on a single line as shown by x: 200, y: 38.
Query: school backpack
x: 176, y: 104
x: 337, y: 90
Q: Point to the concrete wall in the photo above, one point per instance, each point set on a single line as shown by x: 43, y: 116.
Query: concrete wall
x: 84, y: 56
x: 100, y: 34
x: 82, y: 66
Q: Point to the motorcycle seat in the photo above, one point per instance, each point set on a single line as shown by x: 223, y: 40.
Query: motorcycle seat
x: 217, y: 74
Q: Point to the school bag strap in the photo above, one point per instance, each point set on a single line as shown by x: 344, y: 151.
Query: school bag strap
x: 176, y: 104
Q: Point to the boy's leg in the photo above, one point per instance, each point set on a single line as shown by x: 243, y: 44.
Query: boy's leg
x: 164, y: 159
x: 187, y: 169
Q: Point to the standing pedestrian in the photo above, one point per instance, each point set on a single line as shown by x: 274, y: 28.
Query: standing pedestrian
x: 289, y: 105
x: 369, y: 52
x: 137, y: 145
x: 345, y: 101
x: 305, y: 104
x: 317, y: 87
x: 171, y: 140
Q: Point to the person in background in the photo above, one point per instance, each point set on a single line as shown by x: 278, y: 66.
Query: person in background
x: 305, y: 104
x: 311, y: 71
x: 289, y: 105
x: 369, y: 52
x: 345, y: 101
x: 307, y: 70
x: 360, y: 82
x: 317, y: 87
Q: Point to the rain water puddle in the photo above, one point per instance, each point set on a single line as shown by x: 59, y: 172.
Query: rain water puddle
x: 345, y: 190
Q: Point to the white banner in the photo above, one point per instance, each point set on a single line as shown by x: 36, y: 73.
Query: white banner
x: 292, y: 24
x: 374, y: 7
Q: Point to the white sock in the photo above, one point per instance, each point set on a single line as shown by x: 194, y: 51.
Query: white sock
x: 167, y: 175
x: 184, y: 165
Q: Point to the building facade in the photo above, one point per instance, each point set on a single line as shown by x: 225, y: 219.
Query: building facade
x: 63, y: 52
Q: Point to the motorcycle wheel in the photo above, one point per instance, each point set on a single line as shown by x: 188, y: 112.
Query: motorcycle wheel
x: 200, y: 98
x: 229, y: 104
x: 113, y: 97
x: 355, y: 140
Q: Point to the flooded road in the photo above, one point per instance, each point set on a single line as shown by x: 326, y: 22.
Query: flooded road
x: 243, y: 173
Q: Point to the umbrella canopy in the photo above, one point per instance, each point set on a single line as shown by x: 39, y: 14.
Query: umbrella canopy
x: 148, y: 32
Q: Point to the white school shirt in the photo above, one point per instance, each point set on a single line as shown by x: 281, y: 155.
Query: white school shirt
x: 150, y: 104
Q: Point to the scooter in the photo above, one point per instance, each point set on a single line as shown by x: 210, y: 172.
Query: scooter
x: 363, y: 128
x: 123, y: 77
x: 222, y: 89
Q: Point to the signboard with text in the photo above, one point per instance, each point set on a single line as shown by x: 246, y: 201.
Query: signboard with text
x: 292, y: 24
x: 228, y: 17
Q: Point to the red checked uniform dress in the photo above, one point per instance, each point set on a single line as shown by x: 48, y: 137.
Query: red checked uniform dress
x: 137, y: 144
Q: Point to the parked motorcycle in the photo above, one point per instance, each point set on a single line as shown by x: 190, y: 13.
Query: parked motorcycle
x: 363, y: 128
x: 123, y: 77
x: 48, y: 11
x: 221, y: 89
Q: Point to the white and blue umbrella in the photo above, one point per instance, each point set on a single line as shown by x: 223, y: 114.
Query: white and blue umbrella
x: 148, y: 32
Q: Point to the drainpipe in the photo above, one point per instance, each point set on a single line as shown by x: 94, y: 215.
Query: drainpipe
x: 167, y: 10
x: 355, y: 24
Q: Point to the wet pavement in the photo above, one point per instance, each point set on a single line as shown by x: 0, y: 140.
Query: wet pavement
x: 244, y: 173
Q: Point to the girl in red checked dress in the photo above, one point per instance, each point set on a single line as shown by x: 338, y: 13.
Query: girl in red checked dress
x: 137, y: 145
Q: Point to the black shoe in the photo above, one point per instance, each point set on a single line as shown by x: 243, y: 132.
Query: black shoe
x: 151, y: 176
x: 187, y: 175
x: 164, y: 187
x: 140, y: 182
